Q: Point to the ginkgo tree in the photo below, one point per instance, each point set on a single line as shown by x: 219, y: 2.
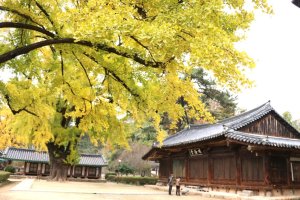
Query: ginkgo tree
x: 96, y: 67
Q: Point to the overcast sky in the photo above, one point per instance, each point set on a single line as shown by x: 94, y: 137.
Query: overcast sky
x: 274, y: 42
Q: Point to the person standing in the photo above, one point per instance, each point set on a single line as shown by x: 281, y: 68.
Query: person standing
x: 170, y: 183
x: 178, y: 186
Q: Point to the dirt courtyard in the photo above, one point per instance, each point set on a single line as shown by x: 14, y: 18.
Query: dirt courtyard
x: 44, y: 190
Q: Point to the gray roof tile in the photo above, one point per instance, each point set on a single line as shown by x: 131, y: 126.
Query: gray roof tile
x: 258, y: 139
x: 246, y: 118
x: 197, y: 133
x: 92, y: 160
x: 29, y: 155
x: 25, y: 155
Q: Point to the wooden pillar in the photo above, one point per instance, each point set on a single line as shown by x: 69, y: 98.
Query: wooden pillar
x: 187, y: 168
x: 99, y: 172
x: 209, y: 169
x: 27, y: 167
x: 86, y: 172
x: 289, y: 172
x: 238, y: 167
x: 170, y: 166
x: 43, y: 168
x: 69, y: 171
x: 39, y: 169
x: 82, y: 171
x: 266, y: 160
x: 73, y: 171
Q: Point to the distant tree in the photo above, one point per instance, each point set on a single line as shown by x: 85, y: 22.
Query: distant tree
x: 124, y: 168
x: 289, y: 118
x: 145, y: 134
x: 85, y: 146
x: 220, y: 101
x: 132, y: 158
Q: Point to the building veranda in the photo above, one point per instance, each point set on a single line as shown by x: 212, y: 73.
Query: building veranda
x: 256, y: 150
x: 37, y: 163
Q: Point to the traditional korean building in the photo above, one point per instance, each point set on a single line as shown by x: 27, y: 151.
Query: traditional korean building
x: 89, y: 166
x: 255, y: 150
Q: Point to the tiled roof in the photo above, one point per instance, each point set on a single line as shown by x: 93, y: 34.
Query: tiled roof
x: 25, y: 155
x: 91, y: 160
x: 257, y: 139
x: 29, y: 155
x: 246, y: 118
x: 197, y: 133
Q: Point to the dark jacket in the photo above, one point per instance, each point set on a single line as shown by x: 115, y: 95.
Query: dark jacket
x: 170, y: 180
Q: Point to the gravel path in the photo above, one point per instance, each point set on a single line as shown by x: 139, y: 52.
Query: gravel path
x: 30, y: 189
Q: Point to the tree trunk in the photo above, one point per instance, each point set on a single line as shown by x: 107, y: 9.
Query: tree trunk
x: 57, y: 157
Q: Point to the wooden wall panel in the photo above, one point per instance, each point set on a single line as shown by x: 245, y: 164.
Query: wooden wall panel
x: 198, y: 168
x: 224, y: 168
x: 270, y: 125
x: 179, y: 168
x: 278, y: 170
x: 296, y: 171
x: 252, y: 169
x: 164, y: 168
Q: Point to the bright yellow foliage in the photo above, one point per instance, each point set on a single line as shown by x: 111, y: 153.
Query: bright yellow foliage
x: 125, y: 61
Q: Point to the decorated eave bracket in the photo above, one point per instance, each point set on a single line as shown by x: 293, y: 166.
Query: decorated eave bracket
x: 195, y: 152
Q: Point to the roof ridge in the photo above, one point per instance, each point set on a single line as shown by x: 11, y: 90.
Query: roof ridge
x: 24, y: 149
x: 248, y: 111
x: 84, y: 154
x: 239, y: 120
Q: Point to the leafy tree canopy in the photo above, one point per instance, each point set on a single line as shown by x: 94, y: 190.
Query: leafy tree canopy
x: 94, y: 66
x: 289, y: 118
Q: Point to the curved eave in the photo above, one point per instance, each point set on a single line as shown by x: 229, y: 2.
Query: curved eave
x: 265, y: 141
x: 149, y: 153
x: 82, y: 165
x: 243, y: 124
x: 194, y: 141
x: 24, y: 160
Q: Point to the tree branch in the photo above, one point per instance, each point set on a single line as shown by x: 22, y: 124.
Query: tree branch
x: 137, y: 41
x: 115, y: 76
x: 99, y: 46
x: 84, y: 99
x: 3, y: 8
x: 46, y: 14
x: 85, y: 72
x: 62, y: 65
x: 25, y: 26
x: 17, y: 111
